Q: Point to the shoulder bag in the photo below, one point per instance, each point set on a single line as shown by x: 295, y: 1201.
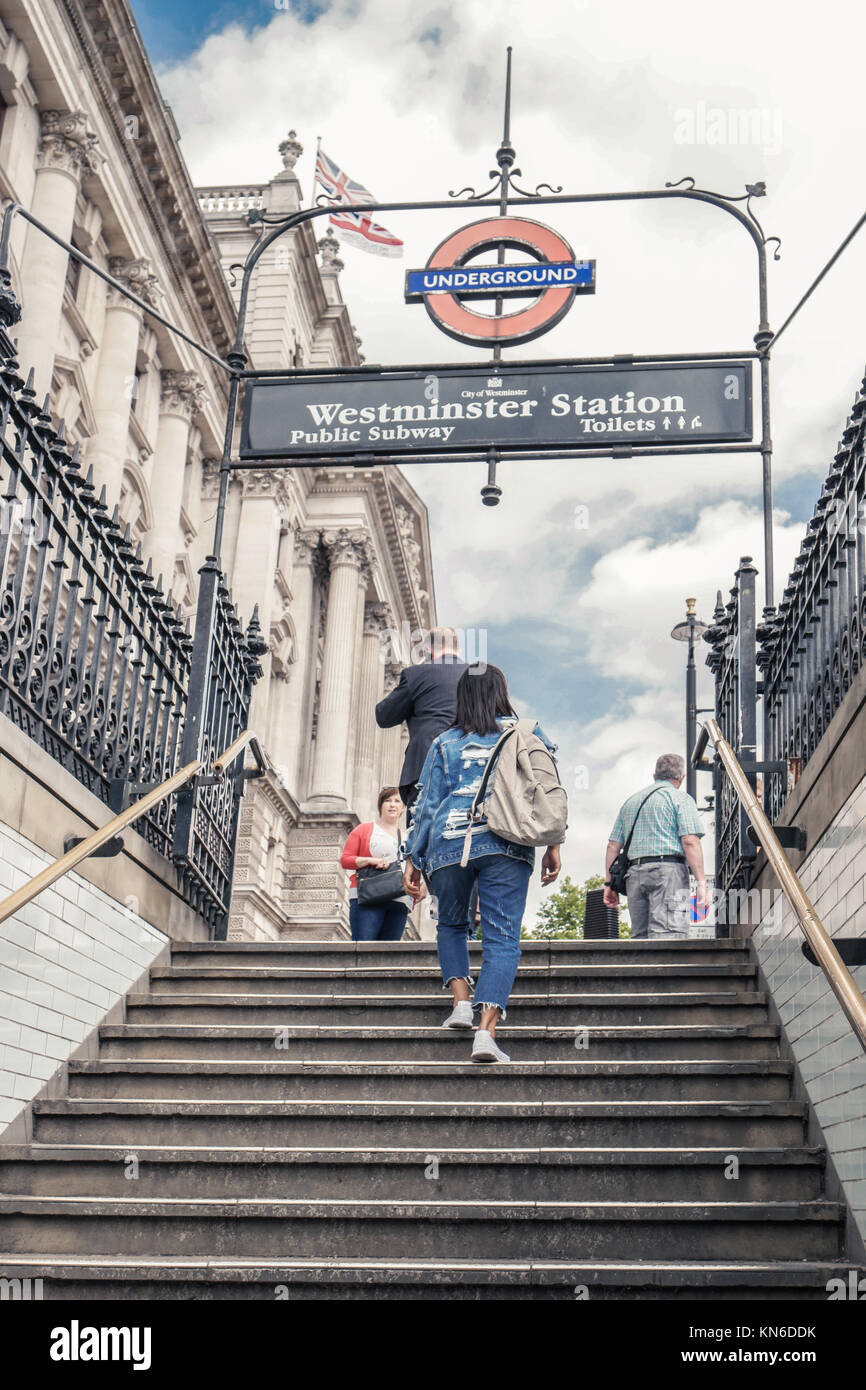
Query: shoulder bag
x: 376, y: 886
x: 616, y: 874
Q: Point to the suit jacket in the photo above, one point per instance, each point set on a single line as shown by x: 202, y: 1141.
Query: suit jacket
x: 426, y: 698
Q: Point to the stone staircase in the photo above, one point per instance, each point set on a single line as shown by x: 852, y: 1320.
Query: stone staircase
x: 290, y: 1121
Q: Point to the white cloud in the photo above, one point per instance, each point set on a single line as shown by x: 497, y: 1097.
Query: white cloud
x: 599, y: 96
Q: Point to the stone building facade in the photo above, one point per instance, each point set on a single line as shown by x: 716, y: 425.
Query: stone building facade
x: 337, y: 560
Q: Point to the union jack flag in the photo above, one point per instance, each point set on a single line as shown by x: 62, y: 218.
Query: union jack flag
x: 357, y: 228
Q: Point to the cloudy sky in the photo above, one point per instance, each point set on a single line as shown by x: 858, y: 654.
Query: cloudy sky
x: 407, y: 97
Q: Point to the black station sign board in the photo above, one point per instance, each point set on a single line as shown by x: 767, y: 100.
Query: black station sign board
x: 524, y: 409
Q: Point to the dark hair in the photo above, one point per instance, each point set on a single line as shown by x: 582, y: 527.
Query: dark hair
x: 384, y: 795
x: 482, y: 694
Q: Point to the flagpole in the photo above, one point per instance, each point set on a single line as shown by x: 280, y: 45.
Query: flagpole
x: 316, y: 170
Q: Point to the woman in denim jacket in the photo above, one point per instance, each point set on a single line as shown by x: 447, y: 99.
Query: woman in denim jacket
x: 449, y: 780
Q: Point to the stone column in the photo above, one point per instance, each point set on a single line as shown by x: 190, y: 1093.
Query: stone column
x: 115, y: 379
x: 263, y: 511
x: 346, y: 550
x: 290, y: 723
x: 390, y: 758
x: 370, y: 692
x: 67, y: 148
x: 181, y: 397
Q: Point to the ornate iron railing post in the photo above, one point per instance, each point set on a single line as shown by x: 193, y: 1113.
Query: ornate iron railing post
x: 224, y: 668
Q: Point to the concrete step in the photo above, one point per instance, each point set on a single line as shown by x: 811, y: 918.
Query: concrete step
x: 314, y: 981
x: 331, y: 954
x: 571, y: 1080
x: 125, y: 1278
x: 474, y: 1124
x: 729, y: 1006
x: 406, y: 1174
x: 203, y: 1042
x: 503, y: 1230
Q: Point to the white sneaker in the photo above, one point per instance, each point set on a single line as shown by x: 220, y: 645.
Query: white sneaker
x: 484, y: 1048
x: 461, y: 1016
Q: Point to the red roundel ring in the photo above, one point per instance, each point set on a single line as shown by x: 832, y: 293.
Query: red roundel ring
x: 465, y: 324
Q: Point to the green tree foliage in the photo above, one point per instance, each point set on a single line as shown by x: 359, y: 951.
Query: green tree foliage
x: 562, y: 914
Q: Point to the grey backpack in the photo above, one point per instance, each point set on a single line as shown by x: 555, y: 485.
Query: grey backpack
x: 520, y: 794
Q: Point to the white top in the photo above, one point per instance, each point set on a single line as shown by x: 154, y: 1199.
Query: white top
x: 383, y: 845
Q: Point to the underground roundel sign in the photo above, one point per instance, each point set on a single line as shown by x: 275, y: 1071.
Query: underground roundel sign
x: 450, y: 285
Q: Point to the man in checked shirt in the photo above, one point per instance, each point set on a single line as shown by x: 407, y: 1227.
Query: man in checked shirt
x: 665, y: 844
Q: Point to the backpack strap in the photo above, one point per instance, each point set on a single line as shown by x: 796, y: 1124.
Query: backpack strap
x: 482, y: 789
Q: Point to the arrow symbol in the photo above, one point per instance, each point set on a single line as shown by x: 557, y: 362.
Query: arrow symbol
x: 666, y: 424
x: 681, y: 422
x: 696, y: 423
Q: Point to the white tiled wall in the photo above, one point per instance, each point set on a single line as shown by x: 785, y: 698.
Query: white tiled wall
x: 65, y: 960
x: 831, y: 1060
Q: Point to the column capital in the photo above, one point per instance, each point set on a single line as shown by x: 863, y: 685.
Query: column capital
x: 135, y: 276
x: 306, y: 544
x: 68, y: 143
x: 377, y: 617
x: 393, y: 671
x: 181, y: 393
x: 265, y: 482
x: 347, y: 547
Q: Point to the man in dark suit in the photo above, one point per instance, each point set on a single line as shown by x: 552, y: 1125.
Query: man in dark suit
x: 426, y: 698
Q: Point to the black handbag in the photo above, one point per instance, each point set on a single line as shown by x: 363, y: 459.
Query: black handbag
x: 377, y: 886
x: 616, y: 874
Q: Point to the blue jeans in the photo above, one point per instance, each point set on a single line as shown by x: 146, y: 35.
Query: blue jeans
x: 502, y: 886
x: 378, y: 922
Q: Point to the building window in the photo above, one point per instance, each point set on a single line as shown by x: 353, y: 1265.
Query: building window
x: 73, y: 277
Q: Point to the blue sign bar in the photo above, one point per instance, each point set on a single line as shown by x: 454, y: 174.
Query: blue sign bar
x: 501, y: 279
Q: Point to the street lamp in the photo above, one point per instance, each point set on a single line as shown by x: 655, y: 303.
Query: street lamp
x: 689, y: 631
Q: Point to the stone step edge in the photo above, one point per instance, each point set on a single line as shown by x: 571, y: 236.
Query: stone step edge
x: 790, y: 1273
x: 421, y: 1109
x: 785, y: 1157
x: 721, y: 998
x: 411, y: 972
x: 577, y: 1068
x: 812, y: 1210
x: 515, y: 1032
x: 528, y: 946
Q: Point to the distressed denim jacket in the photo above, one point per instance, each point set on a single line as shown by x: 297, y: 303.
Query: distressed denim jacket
x: 449, y: 779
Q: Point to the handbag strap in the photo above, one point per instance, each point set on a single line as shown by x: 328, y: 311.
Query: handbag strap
x: 637, y: 813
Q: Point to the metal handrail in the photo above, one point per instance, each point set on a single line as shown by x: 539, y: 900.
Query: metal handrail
x: 838, y: 977
x: 73, y: 857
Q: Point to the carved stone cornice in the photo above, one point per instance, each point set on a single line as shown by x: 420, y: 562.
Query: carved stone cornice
x: 68, y: 143
x: 181, y: 393
x: 135, y: 276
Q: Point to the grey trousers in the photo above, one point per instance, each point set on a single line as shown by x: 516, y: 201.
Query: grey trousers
x: 658, y: 900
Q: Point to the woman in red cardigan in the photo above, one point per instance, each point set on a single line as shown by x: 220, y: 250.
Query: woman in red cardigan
x: 376, y: 842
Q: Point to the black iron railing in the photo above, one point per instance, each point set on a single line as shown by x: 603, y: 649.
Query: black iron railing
x: 96, y: 663
x: 225, y: 668
x: 732, y: 661
x: 813, y: 645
